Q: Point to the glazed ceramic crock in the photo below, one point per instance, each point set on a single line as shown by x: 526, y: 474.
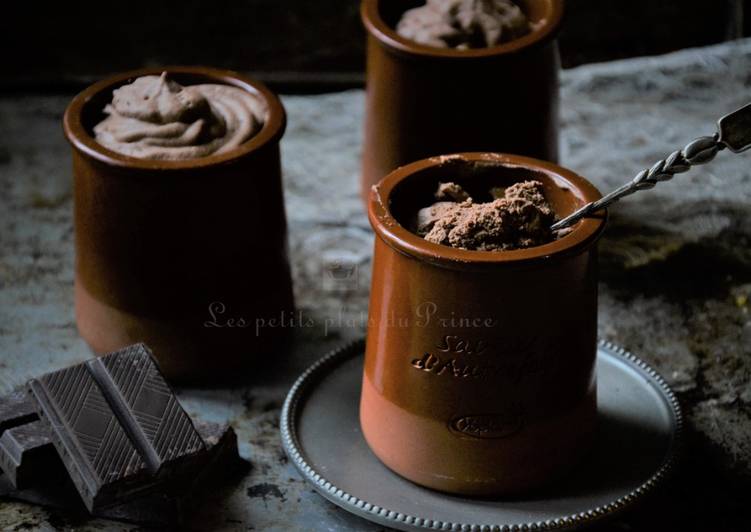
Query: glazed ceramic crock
x: 423, y: 101
x: 186, y: 256
x: 479, y: 371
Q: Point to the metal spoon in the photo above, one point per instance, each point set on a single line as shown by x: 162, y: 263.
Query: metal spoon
x: 733, y: 132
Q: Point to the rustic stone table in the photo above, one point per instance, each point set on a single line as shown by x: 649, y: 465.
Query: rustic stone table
x: 676, y: 279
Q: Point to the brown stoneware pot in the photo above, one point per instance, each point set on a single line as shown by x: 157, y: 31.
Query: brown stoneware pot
x: 187, y: 255
x: 424, y: 101
x: 480, y: 366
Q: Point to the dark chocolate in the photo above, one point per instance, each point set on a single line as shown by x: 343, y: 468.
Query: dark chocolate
x: 137, y: 390
x: 159, y: 509
x: 116, y: 425
x: 26, y: 453
x: 16, y: 409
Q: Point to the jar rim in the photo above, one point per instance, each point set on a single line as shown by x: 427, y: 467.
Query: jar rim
x: 583, y: 235
x: 82, y: 140
x: 375, y: 25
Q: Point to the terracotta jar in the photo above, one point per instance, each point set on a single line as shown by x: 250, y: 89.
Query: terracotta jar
x: 187, y: 255
x: 479, y: 371
x: 423, y: 101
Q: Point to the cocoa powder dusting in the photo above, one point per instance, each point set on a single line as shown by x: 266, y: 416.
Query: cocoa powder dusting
x: 519, y: 217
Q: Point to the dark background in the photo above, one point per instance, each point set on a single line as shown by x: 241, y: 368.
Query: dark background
x: 303, y: 44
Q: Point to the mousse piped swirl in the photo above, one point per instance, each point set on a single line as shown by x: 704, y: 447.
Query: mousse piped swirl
x: 156, y: 118
x: 464, y: 24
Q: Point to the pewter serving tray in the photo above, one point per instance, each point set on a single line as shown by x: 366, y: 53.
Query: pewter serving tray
x: 638, y: 435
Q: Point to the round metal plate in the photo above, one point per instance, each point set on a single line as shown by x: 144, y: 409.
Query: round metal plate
x: 639, y: 429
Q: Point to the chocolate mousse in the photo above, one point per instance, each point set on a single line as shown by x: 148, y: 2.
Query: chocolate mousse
x: 464, y: 24
x: 154, y: 117
x: 519, y: 216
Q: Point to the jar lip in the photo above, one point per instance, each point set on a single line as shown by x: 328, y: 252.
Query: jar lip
x: 81, y: 139
x: 584, y: 234
x: 387, y: 36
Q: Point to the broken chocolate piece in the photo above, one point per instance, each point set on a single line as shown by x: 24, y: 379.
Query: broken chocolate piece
x: 159, y: 509
x: 16, y: 409
x: 26, y: 453
x: 116, y: 425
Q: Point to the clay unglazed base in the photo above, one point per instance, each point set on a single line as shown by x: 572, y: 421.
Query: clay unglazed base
x: 635, y: 446
x: 523, y: 470
x: 191, y: 350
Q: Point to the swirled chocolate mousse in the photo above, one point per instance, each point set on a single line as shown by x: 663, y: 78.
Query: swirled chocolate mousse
x: 464, y: 24
x: 156, y: 118
x: 519, y: 216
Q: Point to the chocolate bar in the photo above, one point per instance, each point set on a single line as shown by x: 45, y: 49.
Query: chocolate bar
x: 21, y: 436
x: 163, y: 508
x: 116, y: 425
x: 16, y: 409
x: 26, y: 454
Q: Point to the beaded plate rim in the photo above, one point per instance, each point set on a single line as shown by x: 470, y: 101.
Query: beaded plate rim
x: 388, y: 517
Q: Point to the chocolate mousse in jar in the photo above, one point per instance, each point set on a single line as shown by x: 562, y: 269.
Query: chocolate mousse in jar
x: 180, y: 229
x: 447, y: 76
x: 481, y: 343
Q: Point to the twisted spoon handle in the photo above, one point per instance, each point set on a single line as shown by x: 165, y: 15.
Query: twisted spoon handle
x: 733, y: 132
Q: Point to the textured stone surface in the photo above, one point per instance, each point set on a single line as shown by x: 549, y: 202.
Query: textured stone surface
x: 676, y: 279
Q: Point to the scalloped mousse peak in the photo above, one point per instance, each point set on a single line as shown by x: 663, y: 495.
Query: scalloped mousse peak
x: 155, y: 117
x: 464, y: 24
